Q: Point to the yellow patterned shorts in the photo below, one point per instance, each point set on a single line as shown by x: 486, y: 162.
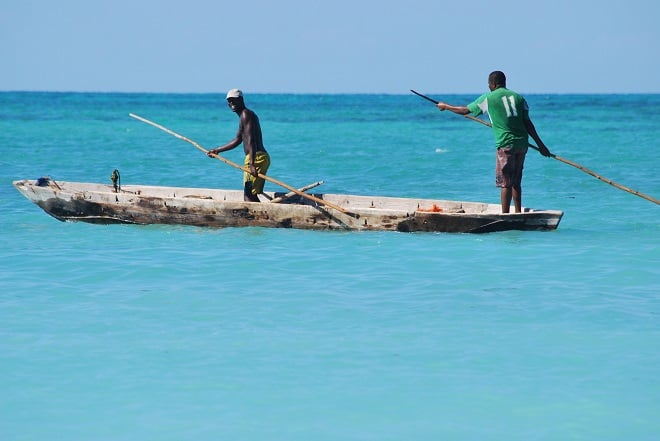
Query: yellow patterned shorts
x: 261, y: 163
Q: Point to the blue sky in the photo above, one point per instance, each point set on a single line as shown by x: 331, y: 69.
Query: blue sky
x: 331, y: 46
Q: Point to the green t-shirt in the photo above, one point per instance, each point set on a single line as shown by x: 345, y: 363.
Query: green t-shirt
x: 507, y: 111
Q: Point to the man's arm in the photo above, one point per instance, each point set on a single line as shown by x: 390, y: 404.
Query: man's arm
x: 531, y: 129
x: 230, y: 145
x: 461, y: 110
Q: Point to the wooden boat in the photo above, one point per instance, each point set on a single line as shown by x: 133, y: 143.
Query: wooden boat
x: 142, y: 204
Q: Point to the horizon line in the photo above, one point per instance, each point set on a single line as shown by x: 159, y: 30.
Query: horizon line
x: 306, y: 93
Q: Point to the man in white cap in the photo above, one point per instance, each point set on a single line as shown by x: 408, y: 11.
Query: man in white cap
x: 249, y: 133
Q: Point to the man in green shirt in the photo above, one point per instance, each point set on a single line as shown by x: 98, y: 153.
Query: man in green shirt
x: 509, y: 116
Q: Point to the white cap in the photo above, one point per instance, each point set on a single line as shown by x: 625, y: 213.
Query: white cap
x: 234, y: 93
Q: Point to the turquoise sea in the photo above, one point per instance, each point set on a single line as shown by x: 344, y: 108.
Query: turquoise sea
x: 180, y: 333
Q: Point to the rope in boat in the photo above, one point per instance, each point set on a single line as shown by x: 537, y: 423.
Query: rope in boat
x: 45, y: 181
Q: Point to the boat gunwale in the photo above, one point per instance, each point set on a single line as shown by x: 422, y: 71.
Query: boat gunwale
x: 149, y: 204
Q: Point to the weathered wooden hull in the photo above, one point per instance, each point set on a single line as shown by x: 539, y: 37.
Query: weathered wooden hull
x: 139, y: 204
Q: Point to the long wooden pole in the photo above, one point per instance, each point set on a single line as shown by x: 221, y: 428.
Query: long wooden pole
x: 233, y: 164
x: 289, y: 194
x: 564, y: 160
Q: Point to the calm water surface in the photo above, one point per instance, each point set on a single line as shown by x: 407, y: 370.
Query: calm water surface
x: 169, y: 333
